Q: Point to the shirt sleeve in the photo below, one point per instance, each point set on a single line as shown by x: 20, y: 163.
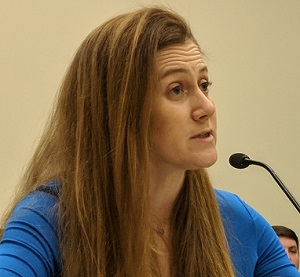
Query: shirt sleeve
x: 29, y: 246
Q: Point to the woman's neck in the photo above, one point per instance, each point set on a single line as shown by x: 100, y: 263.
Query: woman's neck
x: 163, y: 191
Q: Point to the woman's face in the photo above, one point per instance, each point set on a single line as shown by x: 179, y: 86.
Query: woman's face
x: 184, y: 120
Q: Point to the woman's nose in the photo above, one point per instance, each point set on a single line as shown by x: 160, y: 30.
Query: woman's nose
x: 203, y: 106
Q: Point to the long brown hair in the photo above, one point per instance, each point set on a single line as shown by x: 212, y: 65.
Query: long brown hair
x: 97, y: 146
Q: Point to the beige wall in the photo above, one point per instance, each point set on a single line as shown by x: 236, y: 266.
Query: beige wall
x: 253, y: 48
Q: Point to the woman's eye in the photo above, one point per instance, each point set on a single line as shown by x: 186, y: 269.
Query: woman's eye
x: 177, y: 90
x: 204, y: 86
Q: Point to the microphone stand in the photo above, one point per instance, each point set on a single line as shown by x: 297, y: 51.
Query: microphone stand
x: 277, y: 179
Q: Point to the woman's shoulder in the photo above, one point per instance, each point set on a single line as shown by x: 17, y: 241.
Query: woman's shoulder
x: 38, y: 206
x: 52, y: 188
x: 233, y: 208
x: 224, y: 196
x: 30, y: 235
x: 241, y: 218
x: 254, y: 245
x: 227, y: 200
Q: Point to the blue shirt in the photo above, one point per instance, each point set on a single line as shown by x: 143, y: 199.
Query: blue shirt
x: 254, y: 246
x: 29, y: 246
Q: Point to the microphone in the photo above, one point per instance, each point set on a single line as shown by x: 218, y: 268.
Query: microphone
x: 241, y: 161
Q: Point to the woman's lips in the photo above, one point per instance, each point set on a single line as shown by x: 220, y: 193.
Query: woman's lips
x: 204, y: 137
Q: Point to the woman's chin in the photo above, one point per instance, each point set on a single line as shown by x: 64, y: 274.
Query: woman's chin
x: 205, y: 161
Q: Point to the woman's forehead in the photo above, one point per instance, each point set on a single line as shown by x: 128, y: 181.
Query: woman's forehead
x: 177, y: 57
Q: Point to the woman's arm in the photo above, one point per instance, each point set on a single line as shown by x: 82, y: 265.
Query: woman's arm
x: 29, y: 246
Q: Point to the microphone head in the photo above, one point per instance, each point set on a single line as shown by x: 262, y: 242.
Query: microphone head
x: 239, y: 160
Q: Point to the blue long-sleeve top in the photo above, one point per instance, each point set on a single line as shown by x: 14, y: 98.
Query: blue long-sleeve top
x: 30, y: 247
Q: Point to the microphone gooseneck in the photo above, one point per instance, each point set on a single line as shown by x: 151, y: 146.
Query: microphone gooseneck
x: 241, y: 161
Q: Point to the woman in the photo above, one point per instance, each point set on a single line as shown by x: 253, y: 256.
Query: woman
x: 117, y: 185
